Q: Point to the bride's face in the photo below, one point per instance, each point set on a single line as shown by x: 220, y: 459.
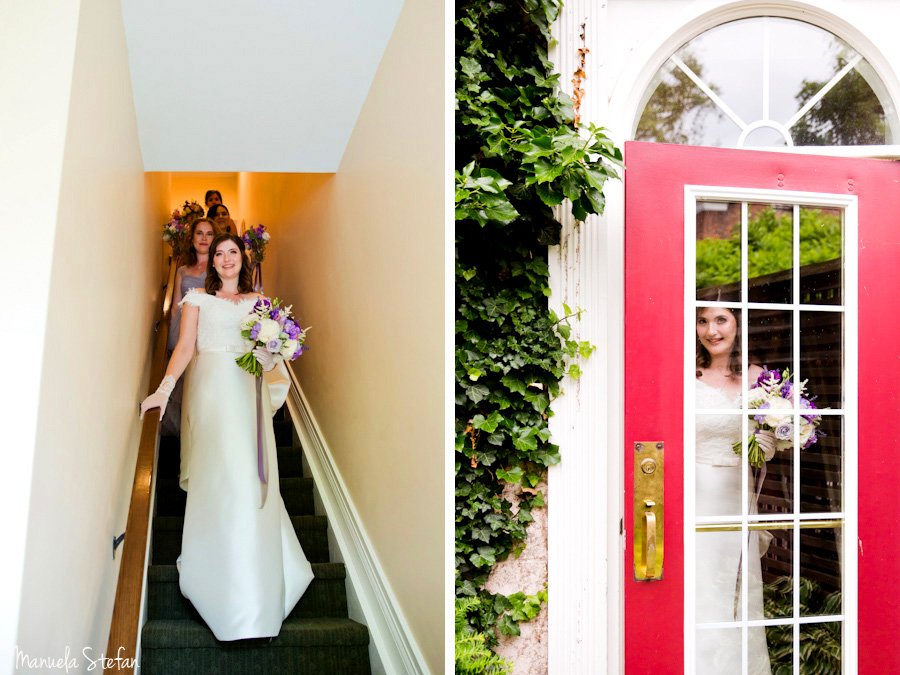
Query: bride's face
x: 716, y: 328
x: 227, y: 260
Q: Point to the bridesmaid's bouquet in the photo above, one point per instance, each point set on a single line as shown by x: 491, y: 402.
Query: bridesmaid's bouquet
x: 175, y: 235
x: 773, y: 395
x: 271, y: 326
x: 256, y: 238
x: 190, y: 212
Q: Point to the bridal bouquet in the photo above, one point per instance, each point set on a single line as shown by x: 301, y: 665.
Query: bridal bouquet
x: 271, y: 326
x: 256, y: 239
x: 773, y: 395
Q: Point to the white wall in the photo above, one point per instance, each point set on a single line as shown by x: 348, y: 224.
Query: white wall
x: 104, y: 285
x: 360, y: 255
x: 36, y: 72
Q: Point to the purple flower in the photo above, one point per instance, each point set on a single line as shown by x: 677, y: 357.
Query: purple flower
x: 787, y: 390
x: 767, y: 375
x: 274, y: 346
x: 259, y: 230
x: 806, y: 404
x: 784, y: 432
x: 760, y: 419
x: 254, y: 332
x: 275, y: 314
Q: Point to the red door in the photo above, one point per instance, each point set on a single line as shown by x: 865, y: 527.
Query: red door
x: 801, y: 250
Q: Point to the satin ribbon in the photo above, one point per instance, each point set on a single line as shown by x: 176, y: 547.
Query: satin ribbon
x: 257, y: 278
x: 262, y: 461
x: 760, y: 477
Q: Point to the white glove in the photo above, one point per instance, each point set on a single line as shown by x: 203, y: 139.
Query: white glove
x: 766, y: 441
x: 160, y: 398
x: 267, y: 359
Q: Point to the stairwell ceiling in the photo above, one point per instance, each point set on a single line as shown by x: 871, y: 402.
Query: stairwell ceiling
x: 261, y: 85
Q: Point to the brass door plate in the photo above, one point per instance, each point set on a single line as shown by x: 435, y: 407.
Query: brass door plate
x: 648, y: 510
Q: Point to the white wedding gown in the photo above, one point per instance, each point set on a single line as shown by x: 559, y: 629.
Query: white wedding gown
x: 718, y: 554
x: 241, y: 566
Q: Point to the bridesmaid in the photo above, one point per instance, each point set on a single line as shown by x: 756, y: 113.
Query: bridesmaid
x: 219, y: 213
x: 191, y: 275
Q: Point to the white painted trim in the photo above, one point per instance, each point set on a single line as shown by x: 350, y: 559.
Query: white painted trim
x: 392, y: 640
x: 850, y: 499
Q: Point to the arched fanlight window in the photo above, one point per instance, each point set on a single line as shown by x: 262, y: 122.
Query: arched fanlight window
x: 767, y: 81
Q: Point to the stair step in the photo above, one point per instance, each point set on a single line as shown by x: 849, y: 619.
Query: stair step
x: 312, y: 531
x: 283, y: 432
x: 329, y: 646
x: 290, y: 461
x: 297, y: 494
x: 325, y: 597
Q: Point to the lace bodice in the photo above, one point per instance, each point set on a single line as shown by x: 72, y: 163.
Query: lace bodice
x: 716, y: 433
x: 219, y: 324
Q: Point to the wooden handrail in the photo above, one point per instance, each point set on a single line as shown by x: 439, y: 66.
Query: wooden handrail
x: 123, y: 632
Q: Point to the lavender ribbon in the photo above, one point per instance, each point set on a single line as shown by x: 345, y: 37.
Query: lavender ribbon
x: 261, y: 463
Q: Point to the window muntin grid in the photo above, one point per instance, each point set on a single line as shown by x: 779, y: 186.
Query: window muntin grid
x: 801, y: 521
x: 767, y: 82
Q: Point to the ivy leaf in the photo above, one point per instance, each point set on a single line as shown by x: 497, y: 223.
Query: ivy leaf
x: 564, y: 330
x: 488, y: 424
x: 539, y: 400
x: 574, y: 371
x: 477, y: 393
x: 549, y: 195
x: 514, y: 385
x: 507, y: 626
x: 514, y: 475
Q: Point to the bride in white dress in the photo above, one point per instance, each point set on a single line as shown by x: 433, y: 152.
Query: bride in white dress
x: 241, y: 566
x: 718, y: 486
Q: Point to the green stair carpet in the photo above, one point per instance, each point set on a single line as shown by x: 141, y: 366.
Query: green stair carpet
x: 317, y: 638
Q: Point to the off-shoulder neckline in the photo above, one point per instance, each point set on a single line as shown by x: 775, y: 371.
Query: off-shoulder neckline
x: 721, y: 390
x: 231, y: 302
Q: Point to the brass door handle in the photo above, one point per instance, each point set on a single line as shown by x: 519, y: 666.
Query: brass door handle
x: 648, y: 540
x: 649, y: 514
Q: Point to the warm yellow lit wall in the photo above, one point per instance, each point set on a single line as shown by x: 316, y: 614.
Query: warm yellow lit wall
x: 104, y: 286
x: 192, y: 186
x: 360, y: 255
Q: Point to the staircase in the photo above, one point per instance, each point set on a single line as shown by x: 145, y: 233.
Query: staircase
x: 317, y: 637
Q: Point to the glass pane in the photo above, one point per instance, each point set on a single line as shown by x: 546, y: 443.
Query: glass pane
x: 678, y: 111
x: 770, y: 339
x: 718, y: 651
x: 777, y: 563
x: 821, y: 357
x: 821, y: 464
x: 849, y: 114
x: 719, y: 251
x: 770, y: 249
x: 781, y: 649
x: 764, y: 137
x: 718, y: 562
x: 821, y: 256
x: 717, y: 466
x: 820, y: 571
x: 820, y: 648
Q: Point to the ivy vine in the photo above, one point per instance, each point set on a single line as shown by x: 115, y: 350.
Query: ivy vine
x: 519, y: 153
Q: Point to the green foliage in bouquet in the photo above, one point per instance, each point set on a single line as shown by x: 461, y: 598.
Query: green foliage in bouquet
x: 519, y: 153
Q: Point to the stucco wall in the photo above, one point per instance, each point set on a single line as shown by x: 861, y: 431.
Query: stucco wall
x: 103, y: 290
x: 360, y: 256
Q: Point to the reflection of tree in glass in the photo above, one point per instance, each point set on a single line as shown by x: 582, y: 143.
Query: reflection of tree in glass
x: 769, y: 240
x: 677, y: 108
x: 849, y: 114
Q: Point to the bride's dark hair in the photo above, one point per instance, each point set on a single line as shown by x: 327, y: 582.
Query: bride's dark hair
x: 245, y: 279
x: 703, y: 356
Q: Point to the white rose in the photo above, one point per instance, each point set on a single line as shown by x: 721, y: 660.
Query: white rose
x: 806, y: 430
x: 248, y: 321
x: 774, y: 418
x: 756, y: 395
x: 290, y: 346
x: 248, y: 346
x: 270, y: 330
x: 265, y: 237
